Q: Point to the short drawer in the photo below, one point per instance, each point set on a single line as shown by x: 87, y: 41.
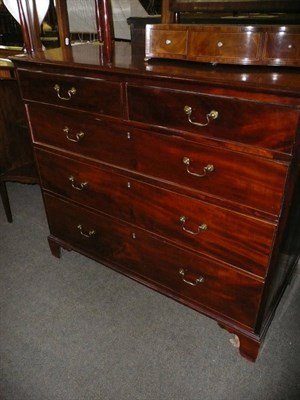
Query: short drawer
x: 257, y: 124
x: 282, y: 47
x: 215, y: 46
x: 73, y: 92
x: 166, y: 42
x: 81, y: 133
x: 198, y: 225
x: 207, y: 285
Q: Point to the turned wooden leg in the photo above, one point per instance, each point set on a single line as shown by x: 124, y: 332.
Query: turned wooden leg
x: 5, y: 201
x: 54, y: 247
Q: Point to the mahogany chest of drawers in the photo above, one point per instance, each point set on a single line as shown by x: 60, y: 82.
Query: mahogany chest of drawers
x: 183, y: 178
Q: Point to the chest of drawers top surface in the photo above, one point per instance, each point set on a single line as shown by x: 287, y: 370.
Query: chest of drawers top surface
x: 87, y: 58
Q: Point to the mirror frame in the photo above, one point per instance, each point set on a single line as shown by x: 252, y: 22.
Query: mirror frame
x: 30, y: 26
x: 170, y: 8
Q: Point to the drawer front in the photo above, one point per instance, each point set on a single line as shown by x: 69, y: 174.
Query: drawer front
x: 198, y: 225
x: 243, y: 179
x: 256, y: 124
x: 180, y: 273
x: 73, y: 91
x: 81, y: 134
x: 240, y: 178
x: 216, y: 46
x: 282, y: 47
x: 162, y: 42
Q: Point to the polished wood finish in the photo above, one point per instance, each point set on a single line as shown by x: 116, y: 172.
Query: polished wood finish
x: 239, y: 120
x: 132, y: 201
x: 117, y: 186
x: 37, y: 86
x: 105, y: 24
x: 248, y: 177
x: 228, y: 44
x: 134, y: 250
x: 241, y: 40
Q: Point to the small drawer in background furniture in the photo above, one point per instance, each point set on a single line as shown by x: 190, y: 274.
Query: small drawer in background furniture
x: 170, y: 43
x: 215, y: 46
x: 281, y: 47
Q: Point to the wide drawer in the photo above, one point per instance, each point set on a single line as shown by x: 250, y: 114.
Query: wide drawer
x: 200, y: 282
x: 257, y: 124
x: 72, y: 91
x: 81, y: 133
x: 239, y: 178
x: 235, y: 238
x: 227, y: 175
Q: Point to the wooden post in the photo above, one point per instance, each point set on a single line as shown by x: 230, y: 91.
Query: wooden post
x: 105, y: 28
x: 35, y: 28
x: 98, y: 20
x: 63, y: 23
x: 167, y: 16
x: 24, y: 28
x: 30, y: 26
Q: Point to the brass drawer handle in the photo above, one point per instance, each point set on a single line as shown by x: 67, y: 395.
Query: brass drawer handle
x: 77, y: 137
x: 212, y: 115
x: 88, y: 234
x: 71, y: 92
x: 208, y: 168
x: 200, y: 279
x: 79, y: 186
x: 202, y: 227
